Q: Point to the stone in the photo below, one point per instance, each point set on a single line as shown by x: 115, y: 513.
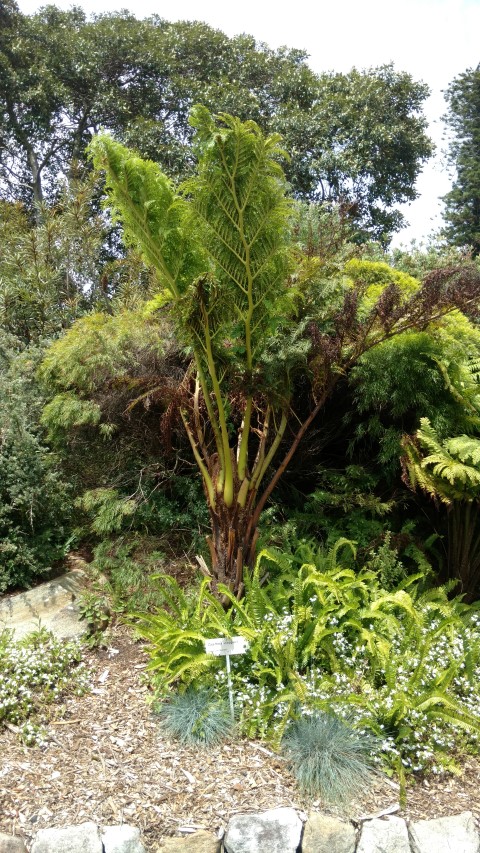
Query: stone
x: 122, y: 839
x: 276, y: 830
x: 84, y: 838
x: 325, y: 834
x: 197, y: 842
x: 51, y: 605
x: 389, y: 835
x: 11, y: 844
x: 444, y: 834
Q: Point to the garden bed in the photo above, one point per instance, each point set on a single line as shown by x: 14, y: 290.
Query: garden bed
x: 107, y: 761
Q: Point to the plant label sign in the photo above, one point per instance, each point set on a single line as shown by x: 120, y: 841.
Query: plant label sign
x: 223, y: 646
x: 227, y: 646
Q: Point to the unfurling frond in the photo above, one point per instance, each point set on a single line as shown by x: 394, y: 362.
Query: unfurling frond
x: 153, y: 216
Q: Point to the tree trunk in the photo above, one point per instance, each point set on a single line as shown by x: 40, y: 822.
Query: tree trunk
x: 36, y: 181
x: 232, y: 544
x: 464, y: 548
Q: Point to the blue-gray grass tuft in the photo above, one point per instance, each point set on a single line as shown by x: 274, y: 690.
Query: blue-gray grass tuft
x: 196, y: 717
x: 329, y: 758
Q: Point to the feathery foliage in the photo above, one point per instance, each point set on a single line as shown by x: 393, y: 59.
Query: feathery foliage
x: 253, y: 306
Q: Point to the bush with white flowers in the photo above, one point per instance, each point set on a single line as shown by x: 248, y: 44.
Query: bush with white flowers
x: 35, y: 672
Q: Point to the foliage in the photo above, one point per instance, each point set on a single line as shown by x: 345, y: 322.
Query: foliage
x: 35, y: 501
x: 451, y: 469
x: 462, y: 211
x: 361, y: 125
x: 429, y: 373
x: 402, y: 663
x: 329, y: 758
x: 50, y: 270
x: 197, y: 717
x: 248, y: 302
x: 357, y: 139
x: 343, y: 503
x: 113, y: 379
x: 34, y: 672
x: 419, y: 259
x: 123, y: 569
x: 448, y: 470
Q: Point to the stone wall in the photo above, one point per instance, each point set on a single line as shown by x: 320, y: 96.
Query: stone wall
x: 281, y: 830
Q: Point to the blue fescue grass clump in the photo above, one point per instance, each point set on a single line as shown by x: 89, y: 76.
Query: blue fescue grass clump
x: 328, y: 758
x: 197, y: 717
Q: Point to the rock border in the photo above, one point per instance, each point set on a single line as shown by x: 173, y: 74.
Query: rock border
x: 282, y: 830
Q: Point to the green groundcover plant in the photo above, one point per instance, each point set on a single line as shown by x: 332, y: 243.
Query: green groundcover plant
x: 35, y: 672
x: 402, y: 664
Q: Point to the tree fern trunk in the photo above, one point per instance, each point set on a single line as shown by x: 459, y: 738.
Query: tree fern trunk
x: 231, y: 544
x: 464, y: 547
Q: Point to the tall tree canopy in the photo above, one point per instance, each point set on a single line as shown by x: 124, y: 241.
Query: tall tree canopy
x: 356, y: 139
x: 463, y: 201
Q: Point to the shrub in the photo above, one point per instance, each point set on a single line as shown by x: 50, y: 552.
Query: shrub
x: 34, y: 672
x: 35, y: 505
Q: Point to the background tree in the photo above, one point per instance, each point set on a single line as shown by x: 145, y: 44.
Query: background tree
x: 463, y: 201
x: 222, y: 254
x: 357, y: 139
x: 35, y: 500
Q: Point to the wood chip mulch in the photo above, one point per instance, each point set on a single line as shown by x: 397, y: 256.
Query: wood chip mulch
x: 107, y: 761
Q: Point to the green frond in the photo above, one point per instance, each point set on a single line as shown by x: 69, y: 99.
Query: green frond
x: 153, y: 216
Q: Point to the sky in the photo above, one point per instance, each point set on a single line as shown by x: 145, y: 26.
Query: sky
x: 434, y: 40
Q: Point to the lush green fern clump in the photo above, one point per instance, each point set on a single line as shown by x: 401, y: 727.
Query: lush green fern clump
x: 403, y: 663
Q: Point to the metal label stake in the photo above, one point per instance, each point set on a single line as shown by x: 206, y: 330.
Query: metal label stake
x: 223, y: 646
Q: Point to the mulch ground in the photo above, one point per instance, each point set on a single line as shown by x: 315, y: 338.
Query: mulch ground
x: 107, y: 761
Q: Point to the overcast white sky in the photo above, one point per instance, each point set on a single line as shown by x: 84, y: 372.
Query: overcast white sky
x: 434, y: 40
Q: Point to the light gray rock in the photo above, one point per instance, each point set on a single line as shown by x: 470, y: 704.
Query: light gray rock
x: 276, y: 830
x: 122, y: 839
x: 456, y: 834
x: 11, y: 844
x: 51, y: 605
x: 197, y: 842
x: 84, y: 838
x: 325, y: 834
x: 384, y: 836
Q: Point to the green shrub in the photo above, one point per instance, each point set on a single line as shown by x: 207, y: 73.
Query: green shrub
x: 34, y: 672
x: 329, y: 758
x: 404, y: 663
x: 35, y: 502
